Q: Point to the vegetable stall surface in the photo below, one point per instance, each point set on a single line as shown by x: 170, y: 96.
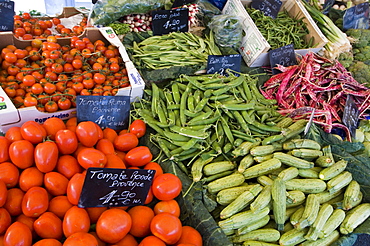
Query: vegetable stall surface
x: 41, y: 182
x: 316, y: 83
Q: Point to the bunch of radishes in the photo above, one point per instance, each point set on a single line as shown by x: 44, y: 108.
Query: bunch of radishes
x: 138, y: 22
x: 193, y: 12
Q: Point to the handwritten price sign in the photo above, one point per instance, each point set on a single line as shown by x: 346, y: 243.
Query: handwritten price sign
x: 114, y: 187
x: 268, y: 7
x: 106, y: 111
x: 166, y: 21
x: 6, y: 15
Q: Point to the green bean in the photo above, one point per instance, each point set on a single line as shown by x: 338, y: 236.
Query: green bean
x: 190, y: 143
x: 183, y: 103
x: 191, y: 113
x: 243, y: 107
x: 190, y: 102
x: 201, y: 104
x: 189, y: 133
x: 241, y: 121
x: 176, y: 136
x: 155, y: 99
x: 198, y: 95
x: 200, y: 117
x: 227, y: 130
x: 173, y: 106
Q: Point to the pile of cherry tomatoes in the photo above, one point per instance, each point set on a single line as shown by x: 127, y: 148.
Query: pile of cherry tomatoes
x: 42, y: 170
x: 27, y: 27
x: 49, y: 76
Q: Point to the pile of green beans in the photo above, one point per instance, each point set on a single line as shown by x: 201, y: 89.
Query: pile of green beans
x: 174, y: 49
x: 281, y: 31
x: 206, y: 115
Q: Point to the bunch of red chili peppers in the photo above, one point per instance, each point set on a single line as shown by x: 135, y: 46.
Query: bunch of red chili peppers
x: 316, y: 84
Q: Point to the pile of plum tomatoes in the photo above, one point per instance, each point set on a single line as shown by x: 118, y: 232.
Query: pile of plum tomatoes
x: 42, y: 170
x: 49, y: 76
x: 27, y: 27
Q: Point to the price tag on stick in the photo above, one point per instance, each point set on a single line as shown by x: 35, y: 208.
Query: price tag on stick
x: 166, y: 21
x: 356, y: 17
x: 219, y: 63
x: 284, y: 56
x: 106, y: 111
x: 114, y: 187
x: 6, y: 15
x: 268, y: 7
x: 350, y: 115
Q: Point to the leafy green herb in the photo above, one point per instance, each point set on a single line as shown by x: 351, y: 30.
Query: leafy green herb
x: 120, y: 28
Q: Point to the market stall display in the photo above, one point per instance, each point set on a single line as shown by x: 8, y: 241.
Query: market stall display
x: 248, y: 157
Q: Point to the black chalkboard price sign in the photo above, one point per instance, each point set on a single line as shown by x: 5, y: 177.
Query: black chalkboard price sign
x: 356, y: 17
x: 115, y: 187
x: 268, y: 7
x: 220, y: 63
x: 106, y: 111
x: 166, y: 21
x: 284, y: 56
x: 350, y: 115
x: 6, y: 15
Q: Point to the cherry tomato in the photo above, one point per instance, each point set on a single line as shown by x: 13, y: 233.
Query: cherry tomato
x: 113, y: 225
x: 91, y: 157
x: 138, y: 127
x: 66, y: 141
x: 18, y: 234
x: 167, y: 227
x: 46, y: 156
x: 33, y: 132
x: 48, y: 225
x: 126, y: 141
x: 75, y: 220
x: 166, y: 186
x: 4, y: 147
x: 21, y: 153
x: 87, y: 133
x: 35, y: 202
x: 138, y: 156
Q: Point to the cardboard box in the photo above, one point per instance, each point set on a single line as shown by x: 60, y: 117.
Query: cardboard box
x: 254, y: 48
x: 11, y: 116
